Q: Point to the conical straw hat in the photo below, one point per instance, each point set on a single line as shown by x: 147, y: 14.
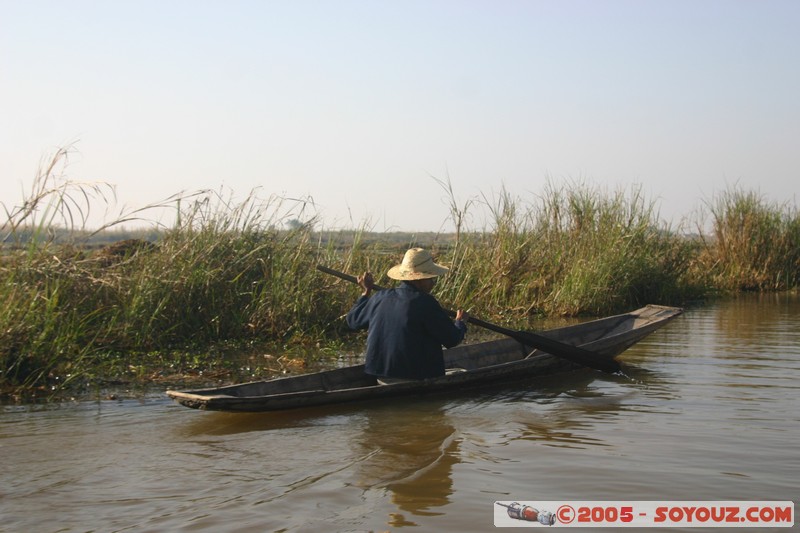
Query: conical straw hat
x: 417, y: 264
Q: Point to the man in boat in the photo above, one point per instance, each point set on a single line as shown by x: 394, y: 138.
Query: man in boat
x: 407, y: 326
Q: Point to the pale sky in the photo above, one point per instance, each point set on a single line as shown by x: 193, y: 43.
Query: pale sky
x: 358, y: 103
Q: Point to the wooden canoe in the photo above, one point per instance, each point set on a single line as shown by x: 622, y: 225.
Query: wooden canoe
x: 491, y: 362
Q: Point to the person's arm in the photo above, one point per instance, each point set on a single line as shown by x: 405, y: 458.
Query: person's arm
x: 367, y: 283
x: 448, y: 332
x: 358, y: 316
x: 462, y: 317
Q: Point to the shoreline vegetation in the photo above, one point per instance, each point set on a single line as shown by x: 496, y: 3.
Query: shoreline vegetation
x: 211, y: 296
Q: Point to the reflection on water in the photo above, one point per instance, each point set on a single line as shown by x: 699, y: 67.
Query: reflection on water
x: 706, y: 408
x: 411, y: 452
x: 407, y: 449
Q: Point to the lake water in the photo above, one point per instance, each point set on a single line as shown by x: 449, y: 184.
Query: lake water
x: 708, y: 410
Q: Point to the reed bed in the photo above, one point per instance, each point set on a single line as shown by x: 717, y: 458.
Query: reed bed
x: 753, y: 244
x: 576, y: 250
x: 238, y: 273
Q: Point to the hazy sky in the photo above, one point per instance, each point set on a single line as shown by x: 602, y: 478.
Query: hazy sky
x: 358, y: 103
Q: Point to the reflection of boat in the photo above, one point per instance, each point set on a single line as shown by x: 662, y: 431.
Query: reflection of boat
x: 494, y: 361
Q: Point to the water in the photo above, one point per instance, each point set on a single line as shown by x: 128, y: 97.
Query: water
x: 708, y: 411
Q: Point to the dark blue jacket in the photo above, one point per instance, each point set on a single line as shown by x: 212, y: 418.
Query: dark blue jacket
x: 407, y: 329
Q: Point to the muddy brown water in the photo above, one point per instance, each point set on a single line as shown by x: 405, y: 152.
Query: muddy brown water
x: 707, y: 410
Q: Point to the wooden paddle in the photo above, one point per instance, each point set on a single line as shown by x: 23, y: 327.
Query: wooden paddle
x: 559, y: 349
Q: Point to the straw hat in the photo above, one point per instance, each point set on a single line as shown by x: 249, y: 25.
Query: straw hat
x: 417, y: 264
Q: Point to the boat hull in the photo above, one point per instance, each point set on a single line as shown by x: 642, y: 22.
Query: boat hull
x: 477, y: 365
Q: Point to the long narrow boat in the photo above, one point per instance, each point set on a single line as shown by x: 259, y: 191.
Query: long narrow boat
x: 473, y: 365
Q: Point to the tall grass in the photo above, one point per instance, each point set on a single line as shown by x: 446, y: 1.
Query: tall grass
x: 240, y: 271
x: 225, y: 271
x: 44, y: 301
x: 753, y: 245
x: 577, y: 250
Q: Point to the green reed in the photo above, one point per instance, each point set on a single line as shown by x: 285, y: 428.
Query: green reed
x: 753, y: 245
x: 227, y: 270
x: 243, y: 271
x: 575, y: 250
